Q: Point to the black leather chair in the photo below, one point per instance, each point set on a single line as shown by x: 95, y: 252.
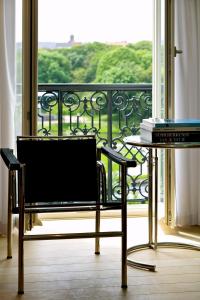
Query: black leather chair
x: 62, y: 174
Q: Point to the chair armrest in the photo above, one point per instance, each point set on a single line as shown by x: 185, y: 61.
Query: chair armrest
x: 9, y: 159
x: 117, y: 157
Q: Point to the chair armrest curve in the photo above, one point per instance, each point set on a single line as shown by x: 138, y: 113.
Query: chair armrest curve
x: 9, y: 159
x: 117, y: 157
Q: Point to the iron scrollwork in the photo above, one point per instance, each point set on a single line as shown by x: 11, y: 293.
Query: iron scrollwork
x: 111, y: 112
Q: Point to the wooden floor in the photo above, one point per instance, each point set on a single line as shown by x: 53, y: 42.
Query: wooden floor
x: 69, y: 269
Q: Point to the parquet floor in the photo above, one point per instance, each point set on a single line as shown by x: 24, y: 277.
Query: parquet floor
x: 69, y: 269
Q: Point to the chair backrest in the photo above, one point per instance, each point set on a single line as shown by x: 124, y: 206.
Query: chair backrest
x: 59, y: 169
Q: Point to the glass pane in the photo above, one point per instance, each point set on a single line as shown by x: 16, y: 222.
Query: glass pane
x: 78, y: 38
x: 100, y: 42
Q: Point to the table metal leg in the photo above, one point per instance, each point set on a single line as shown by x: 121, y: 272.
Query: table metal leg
x: 150, y: 244
x: 150, y: 192
x: 155, y: 198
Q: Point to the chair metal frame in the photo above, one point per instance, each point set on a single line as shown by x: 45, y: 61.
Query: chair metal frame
x: 17, y: 168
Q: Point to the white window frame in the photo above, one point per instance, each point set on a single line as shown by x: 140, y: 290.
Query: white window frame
x: 169, y: 160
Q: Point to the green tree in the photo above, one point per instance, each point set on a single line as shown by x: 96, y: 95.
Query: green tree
x: 53, y: 67
x: 84, y: 59
x: 119, y: 65
x: 98, y: 63
x: 142, y: 45
x: 144, y: 53
x: 122, y: 73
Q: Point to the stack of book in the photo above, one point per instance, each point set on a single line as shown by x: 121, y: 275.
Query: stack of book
x: 158, y: 130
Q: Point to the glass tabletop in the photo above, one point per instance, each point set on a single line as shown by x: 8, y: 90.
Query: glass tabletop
x: 136, y: 140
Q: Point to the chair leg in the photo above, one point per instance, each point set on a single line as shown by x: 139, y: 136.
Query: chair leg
x: 9, y: 235
x: 97, y: 229
x: 9, y: 226
x: 124, y: 256
x: 21, y: 266
x: 21, y: 234
x: 124, y: 228
x: 21, y: 255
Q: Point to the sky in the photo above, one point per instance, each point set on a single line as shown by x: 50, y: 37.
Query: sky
x: 100, y: 20
x: 95, y: 20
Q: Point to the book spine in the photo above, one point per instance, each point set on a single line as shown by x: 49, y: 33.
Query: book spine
x: 170, y: 137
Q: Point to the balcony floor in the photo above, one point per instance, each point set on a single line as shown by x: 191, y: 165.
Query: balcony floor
x: 68, y: 269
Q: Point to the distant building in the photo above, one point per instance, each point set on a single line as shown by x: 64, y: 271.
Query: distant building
x: 51, y: 45
x: 70, y: 43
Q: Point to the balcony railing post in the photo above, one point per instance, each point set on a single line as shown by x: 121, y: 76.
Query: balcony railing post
x: 109, y: 137
x: 60, y: 114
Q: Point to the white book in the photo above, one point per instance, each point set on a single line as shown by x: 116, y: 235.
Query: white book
x: 168, y: 129
x: 163, y: 123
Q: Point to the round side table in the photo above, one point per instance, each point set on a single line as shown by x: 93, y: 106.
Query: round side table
x: 153, y: 243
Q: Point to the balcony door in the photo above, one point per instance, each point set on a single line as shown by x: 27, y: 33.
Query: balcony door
x: 93, y: 78
x: 99, y: 15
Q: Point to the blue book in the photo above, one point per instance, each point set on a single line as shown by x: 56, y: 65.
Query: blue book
x: 163, y: 123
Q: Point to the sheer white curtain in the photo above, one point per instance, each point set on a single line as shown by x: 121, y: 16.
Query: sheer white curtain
x: 7, y: 94
x: 187, y: 105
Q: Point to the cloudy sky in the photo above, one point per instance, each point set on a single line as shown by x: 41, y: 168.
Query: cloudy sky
x: 94, y: 20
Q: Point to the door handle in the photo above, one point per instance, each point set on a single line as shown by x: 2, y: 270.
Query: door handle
x: 176, y: 51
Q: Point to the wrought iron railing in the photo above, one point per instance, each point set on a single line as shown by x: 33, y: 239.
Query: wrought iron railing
x: 111, y: 112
